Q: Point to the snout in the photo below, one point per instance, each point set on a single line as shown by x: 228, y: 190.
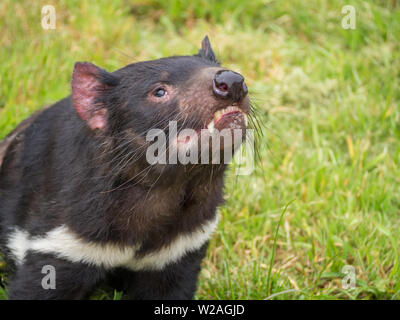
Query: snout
x: 218, y: 98
x: 229, y: 85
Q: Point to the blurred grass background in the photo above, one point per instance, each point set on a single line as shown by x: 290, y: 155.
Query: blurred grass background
x: 329, y: 98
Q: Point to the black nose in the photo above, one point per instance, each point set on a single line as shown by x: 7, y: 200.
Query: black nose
x: 229, y: 85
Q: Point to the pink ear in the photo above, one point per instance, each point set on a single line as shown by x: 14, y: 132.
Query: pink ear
x: 87, y: 86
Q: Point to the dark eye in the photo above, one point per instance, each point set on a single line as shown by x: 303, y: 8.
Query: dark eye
x: 159, y: 93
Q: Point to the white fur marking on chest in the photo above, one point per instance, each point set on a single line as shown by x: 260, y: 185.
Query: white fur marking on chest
x: 18, y: 244
x: 176, y: 249
x: 63, y: 243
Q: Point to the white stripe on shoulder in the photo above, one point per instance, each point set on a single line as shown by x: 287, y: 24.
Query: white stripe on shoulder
x: 64, y: 243
x: 18, y: 244
x: 178, y: 248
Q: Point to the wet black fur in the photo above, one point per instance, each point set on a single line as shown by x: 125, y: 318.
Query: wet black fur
x: 59, y: 171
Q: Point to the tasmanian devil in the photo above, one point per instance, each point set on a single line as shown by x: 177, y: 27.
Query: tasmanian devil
x: 80, y: 198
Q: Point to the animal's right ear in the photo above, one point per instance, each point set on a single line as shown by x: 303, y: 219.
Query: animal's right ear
x: 89, y: 85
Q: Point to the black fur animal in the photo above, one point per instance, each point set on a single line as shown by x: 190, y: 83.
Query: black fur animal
x: 77, y: 193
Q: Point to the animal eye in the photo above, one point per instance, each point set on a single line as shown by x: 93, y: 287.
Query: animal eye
x: 159, y: 92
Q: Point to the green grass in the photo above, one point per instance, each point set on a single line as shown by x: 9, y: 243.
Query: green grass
x: 329, y: 99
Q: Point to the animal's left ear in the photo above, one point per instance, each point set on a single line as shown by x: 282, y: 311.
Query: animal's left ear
x: 206, y: 51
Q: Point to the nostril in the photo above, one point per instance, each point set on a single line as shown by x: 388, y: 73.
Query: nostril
x: 222, y: 86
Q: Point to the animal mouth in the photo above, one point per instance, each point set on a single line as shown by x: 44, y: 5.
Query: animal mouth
x: 230, y: 116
